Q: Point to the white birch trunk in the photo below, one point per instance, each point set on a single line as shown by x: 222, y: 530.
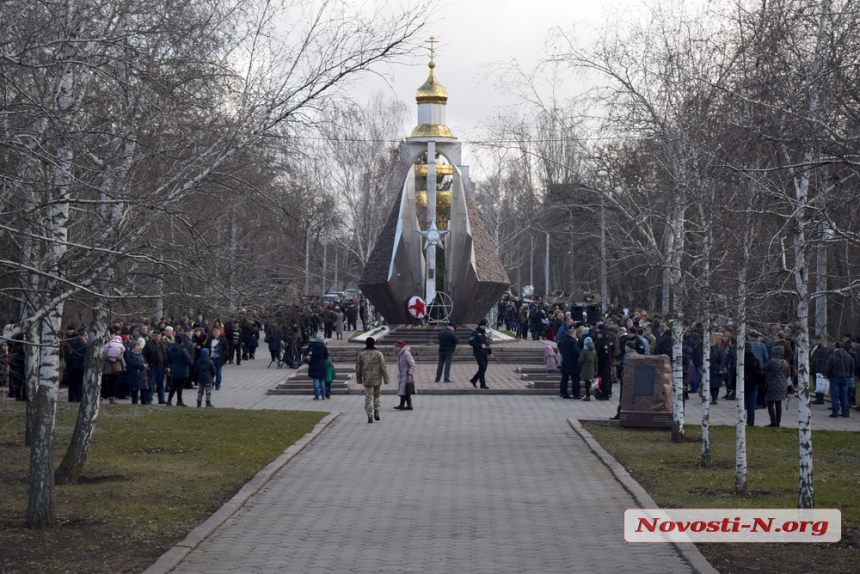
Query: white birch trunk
x: 31, y: 380
x: 677, y: 380
x: 706, y: 344
x: 40, y: 502
x: 806, y: 483
x: 806, y: 488
x: 740, y: 410
x: 677, y: 230
x: 668, y: 244
x: 73, y: 463
x: 705, y: 389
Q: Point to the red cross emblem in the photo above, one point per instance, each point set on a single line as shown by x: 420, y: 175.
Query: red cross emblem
x: 416, y: 307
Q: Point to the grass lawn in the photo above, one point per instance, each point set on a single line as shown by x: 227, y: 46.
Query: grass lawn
x: 672, y: 476
x: 153, y: 474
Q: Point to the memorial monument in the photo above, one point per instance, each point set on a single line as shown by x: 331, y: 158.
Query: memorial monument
x: 434, y: 244
x: 646, y: 397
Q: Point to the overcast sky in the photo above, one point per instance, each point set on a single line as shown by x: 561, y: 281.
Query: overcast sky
x: 477, y: 37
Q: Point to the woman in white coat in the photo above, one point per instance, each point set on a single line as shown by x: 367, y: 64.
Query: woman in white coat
x: 405, y: 376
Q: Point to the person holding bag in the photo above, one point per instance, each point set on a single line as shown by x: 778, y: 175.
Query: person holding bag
x: 405, y: 376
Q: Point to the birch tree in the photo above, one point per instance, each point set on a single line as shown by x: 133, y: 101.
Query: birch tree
x: 59, y: 49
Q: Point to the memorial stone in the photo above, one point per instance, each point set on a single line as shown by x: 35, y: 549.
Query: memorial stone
x: 646, y: 397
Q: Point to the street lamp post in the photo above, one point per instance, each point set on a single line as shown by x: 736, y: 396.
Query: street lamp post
x: 569, y: 228
x: 547, y: 290
x: 532, y: 262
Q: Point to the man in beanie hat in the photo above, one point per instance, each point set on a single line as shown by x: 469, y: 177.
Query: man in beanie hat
x: 371, y: 372
x: 480, y: 343
x: 447, y: 345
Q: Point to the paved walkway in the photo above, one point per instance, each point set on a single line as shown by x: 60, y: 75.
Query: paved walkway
x: 464, y: 483
x: 461, y: 484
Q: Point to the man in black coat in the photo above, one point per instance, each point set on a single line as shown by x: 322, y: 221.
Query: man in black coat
x: 604, y: 347
x: 76, y: 354
x: 480, y: 343
x: 569, y: 350
x: 447, y: 345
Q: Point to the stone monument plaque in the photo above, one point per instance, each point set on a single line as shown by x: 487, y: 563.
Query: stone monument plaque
x: 646, y: 397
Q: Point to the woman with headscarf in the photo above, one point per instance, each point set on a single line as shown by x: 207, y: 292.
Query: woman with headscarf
x: 405, y: 376
x: 588, y: 368
x: 113, y: 352
x: 338, y: 322
x: 318, y: 354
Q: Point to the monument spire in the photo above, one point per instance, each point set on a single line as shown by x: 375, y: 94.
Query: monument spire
x: 431, y: 98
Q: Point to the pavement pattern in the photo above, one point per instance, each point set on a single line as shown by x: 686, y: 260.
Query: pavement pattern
x: 496, y: 483
x: 464, y: 483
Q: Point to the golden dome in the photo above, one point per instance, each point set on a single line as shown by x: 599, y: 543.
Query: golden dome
x: 431, y: 92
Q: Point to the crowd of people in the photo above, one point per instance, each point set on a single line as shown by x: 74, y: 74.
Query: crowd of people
x: 150, y: 360
x: 590, y: 355
x: 156, y: 359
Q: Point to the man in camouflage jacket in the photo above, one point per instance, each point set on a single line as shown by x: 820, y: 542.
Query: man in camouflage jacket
x: 371, y: 372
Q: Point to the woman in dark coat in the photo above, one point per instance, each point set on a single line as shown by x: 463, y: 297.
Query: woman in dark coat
x: 752, y: 381
x: 179, y: 360
x: 318, y: 353
x: 776, y: 371
x: 138, y: 376
x: 253, y: 340
x: 273, y: 338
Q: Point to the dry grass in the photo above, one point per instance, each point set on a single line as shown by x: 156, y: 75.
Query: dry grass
x: 153, y: 474
x: 672, y: 476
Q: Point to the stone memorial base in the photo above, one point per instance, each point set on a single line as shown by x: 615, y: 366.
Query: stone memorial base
x: 646, y: 419
x: 646, y: 395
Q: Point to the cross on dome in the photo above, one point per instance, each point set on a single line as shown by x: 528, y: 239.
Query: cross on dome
x: 432, y: 41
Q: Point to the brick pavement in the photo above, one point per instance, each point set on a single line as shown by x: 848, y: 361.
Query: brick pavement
x: 496, y: 483
x: 462, y: 484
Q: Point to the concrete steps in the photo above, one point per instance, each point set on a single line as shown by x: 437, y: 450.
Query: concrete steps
x: 508, y: 354
x: 300, y: 384
x: 538, y: 379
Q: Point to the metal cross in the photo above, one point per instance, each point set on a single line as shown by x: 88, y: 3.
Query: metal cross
x: 432, y: 41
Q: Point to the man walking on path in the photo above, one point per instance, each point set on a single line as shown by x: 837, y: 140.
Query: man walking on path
x: 371, y: 372
x: 447, y: 345
x: 480, y: 343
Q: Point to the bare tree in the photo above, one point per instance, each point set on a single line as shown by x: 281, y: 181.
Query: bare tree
x: 55, y: 57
